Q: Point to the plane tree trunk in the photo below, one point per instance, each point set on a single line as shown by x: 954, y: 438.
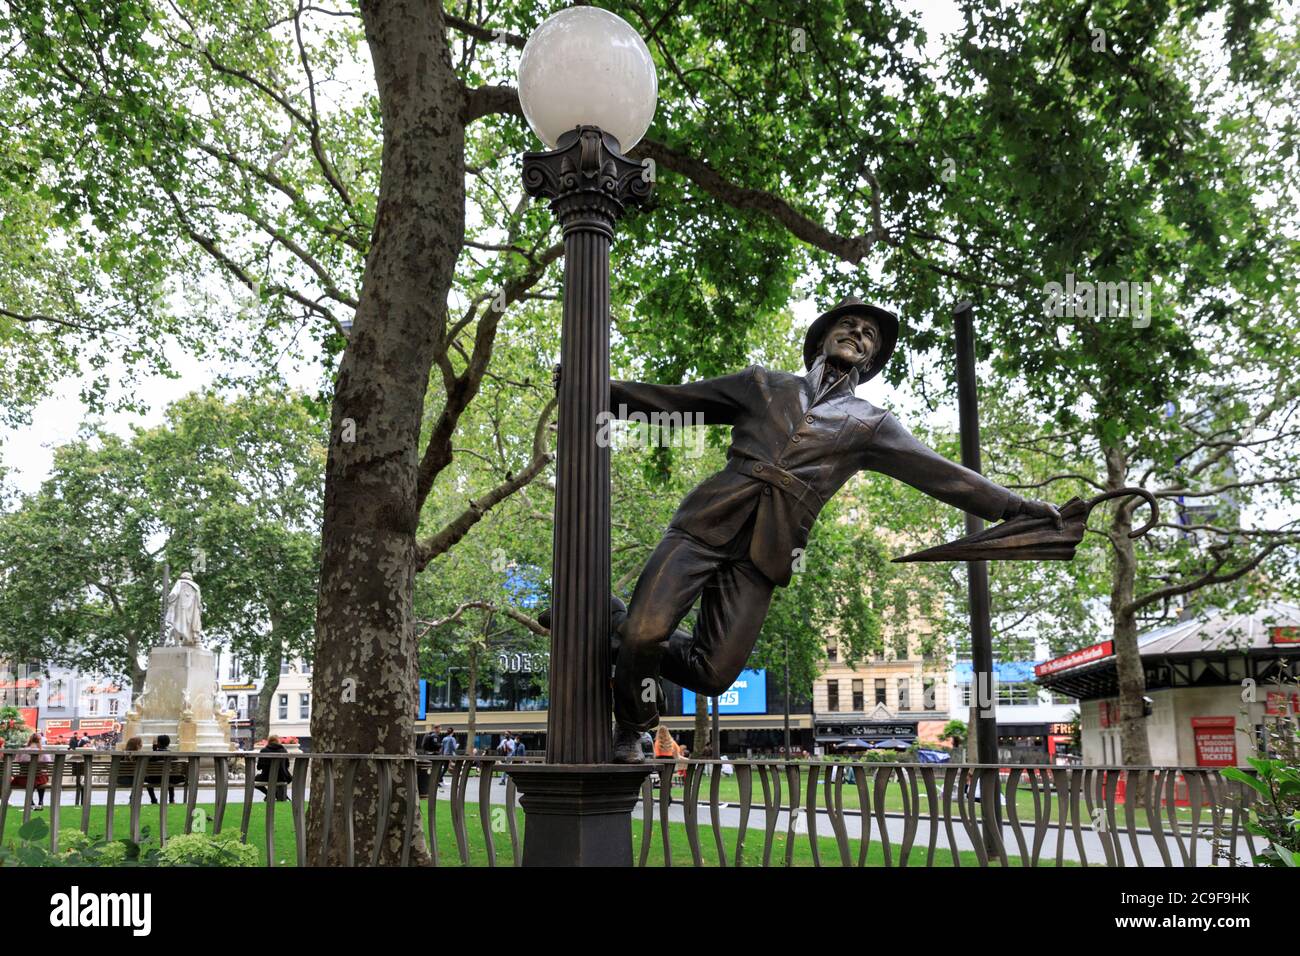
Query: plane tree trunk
x: 365, y: 657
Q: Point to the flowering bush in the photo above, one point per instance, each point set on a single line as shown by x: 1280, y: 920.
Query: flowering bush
x: 199, y: 849
x: 78, y: 849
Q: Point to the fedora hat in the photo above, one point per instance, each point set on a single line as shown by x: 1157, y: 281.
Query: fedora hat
x: 852, y: 305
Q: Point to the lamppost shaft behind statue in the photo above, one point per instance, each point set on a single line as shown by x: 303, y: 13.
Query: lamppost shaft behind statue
x: 589, y: 183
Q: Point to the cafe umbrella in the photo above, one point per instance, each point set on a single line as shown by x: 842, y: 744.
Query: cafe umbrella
x: 856, y: 743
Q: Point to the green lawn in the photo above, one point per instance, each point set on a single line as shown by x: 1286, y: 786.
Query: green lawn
x: 285, y: 844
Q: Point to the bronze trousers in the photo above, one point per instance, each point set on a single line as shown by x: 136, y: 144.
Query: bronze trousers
x: 734, y: 596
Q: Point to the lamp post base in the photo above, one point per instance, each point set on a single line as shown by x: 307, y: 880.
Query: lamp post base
x: 578, y: 814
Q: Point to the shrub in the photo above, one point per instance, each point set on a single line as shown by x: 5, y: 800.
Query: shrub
x: 1277, y: 782
x: 199, y: 849
x: 78, y: 849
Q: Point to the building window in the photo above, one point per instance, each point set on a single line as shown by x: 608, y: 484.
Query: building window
x: 284, y: 667
x: 58, y: 694
x: 306, y: 666
x: 904, y: 695
x: 963, y: 694
x: 880, y: 690
x: 857, y: 695
x: 92, y: 705
x: 234, y: 667
x: 832, y: 695
x: 113, y: 703
x: 1017, y: 693
x: 232, y: 703
x: 832, y: 651
x: 284, y: 706
x: 304, y: 706
x: 927, y: 694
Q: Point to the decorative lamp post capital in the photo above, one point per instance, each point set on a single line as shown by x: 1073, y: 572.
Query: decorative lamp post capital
x: 589, y: 181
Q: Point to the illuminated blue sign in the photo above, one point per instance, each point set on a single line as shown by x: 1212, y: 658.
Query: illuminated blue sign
x: 748, y: 695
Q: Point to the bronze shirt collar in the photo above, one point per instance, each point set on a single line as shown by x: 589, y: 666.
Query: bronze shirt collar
x: 825, y: 385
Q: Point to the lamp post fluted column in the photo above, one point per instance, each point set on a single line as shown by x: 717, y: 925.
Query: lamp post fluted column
x: 590, y: 184
x: 578, y: 805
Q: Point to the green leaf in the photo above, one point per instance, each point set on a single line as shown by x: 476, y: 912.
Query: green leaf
x: 34, y: 830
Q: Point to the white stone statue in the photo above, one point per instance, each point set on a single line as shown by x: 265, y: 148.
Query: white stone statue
x: 183, y: 623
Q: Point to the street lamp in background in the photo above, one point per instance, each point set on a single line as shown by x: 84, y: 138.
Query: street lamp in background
x: 587, y: 87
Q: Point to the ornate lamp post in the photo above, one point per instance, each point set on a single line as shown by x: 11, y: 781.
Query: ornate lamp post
x: 588, y: 89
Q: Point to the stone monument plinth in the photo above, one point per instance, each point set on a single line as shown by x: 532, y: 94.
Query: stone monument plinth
x: 179, y: 700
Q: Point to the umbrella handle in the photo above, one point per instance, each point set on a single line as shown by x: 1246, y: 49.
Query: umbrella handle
x: 1126, y: 493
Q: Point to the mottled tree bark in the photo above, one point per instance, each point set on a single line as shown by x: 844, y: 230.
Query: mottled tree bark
x: 270, y: 682
x: 138, y: 673
x: 471, y: 712
x: 701, y: 726
x: 365, y: 662
x: 1136, y: 751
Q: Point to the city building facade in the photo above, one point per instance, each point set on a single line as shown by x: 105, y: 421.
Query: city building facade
x: 290, y: 716
x: 1213, y: 684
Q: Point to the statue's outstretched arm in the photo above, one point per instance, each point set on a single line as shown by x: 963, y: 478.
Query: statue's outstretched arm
x: 719, y: 400
x: 895, y: 452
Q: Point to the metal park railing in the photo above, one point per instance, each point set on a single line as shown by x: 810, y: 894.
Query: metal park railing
x: 859, y: 814
x: 692, y: 812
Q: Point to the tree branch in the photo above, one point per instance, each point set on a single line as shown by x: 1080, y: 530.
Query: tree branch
x: 852, y: 249
x: 1208, y: 579
x: 480, y: 32
x: 317, y: 147
x: 209, y: 245
x: 327, y: 281
x: 504, y: 100
x: 462, y: 389
x: 459, y: 526
x: 275, y: 182
x: 1061, y: 477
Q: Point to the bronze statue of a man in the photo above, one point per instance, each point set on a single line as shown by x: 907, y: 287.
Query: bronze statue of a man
x: 795, y: 440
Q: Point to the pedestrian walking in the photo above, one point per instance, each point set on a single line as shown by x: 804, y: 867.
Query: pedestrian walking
x: 448, y: 749
x: 429, y: 744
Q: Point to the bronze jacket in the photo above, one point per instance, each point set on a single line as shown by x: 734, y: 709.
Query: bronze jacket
x: 791, y: 450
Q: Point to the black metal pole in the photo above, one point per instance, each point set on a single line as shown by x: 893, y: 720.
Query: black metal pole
x: 787, y: 696
x: 977, y: 572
